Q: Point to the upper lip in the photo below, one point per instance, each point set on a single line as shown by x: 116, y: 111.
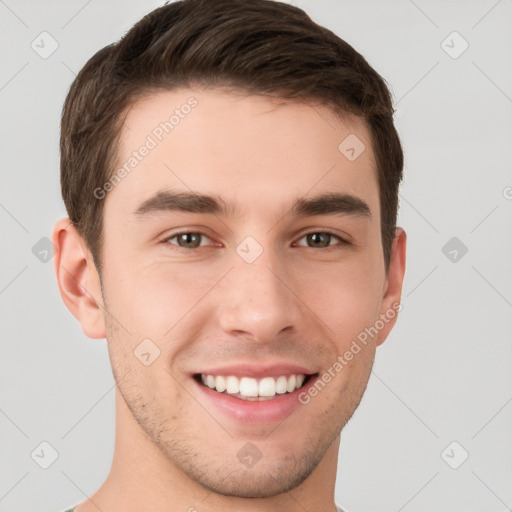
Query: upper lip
x: 257, y: 371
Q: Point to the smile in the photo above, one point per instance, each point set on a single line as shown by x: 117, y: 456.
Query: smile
x: 249, y: 388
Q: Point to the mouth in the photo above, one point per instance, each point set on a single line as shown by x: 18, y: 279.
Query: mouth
x: 254, y: 389
x: 251, y: 394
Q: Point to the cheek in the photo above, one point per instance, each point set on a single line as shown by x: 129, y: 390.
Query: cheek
x: 345, y: 298
x: 157, y: 300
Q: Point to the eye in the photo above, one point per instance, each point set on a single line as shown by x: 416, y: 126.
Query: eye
x: 187, y: 239
x: 321, y: 239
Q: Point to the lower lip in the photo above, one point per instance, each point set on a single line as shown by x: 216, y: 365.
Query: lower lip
x: 255, y: 411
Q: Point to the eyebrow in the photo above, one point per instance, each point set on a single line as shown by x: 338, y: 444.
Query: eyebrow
x: 192, y: 202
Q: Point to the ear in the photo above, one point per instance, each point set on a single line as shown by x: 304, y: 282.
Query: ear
x: 78, y: 279
x: 392, y: 291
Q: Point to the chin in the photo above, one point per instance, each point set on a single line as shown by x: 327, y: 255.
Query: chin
x: 253, y: 483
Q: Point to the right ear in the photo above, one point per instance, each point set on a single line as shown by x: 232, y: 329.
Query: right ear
x: 78, y: 279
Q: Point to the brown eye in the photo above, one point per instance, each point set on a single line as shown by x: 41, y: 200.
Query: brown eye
x: 320, y: 239
x: 187, y: 240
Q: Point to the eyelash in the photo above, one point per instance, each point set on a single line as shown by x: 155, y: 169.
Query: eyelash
x: 341, y: 243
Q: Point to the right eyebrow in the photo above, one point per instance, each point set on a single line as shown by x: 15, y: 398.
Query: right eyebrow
x: 191, y: 202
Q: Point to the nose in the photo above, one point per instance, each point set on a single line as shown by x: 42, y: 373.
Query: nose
x: 258, y: 300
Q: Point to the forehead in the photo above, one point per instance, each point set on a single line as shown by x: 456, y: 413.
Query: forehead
x: 245, y: 148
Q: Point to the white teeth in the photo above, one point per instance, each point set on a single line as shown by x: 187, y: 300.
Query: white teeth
x: 281, y: 385
x: 220, y: 383
x: 267, y: 387
x: 232, y: 385
x: 250, y: 387
x: 291, y: 383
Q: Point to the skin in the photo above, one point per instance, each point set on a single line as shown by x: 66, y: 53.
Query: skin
x: 297, y: 302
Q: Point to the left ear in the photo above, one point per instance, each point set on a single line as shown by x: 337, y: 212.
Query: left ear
x: 392, y: 291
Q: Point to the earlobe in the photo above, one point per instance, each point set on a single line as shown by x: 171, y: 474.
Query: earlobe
x: 393, y: 288
x: 78, y: 279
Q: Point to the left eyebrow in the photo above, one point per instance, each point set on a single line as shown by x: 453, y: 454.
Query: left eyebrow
x: 331, y: 204
x: 193, y: 202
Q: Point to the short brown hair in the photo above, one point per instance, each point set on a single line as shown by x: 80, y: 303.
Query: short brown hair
x: 259, y: 46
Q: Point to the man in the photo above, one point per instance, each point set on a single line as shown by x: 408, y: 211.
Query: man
x: 230, y: 170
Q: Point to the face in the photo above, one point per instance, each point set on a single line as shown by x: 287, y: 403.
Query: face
x: 262, y: 287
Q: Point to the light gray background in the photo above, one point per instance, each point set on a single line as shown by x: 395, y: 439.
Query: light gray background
x: 443, y: 375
